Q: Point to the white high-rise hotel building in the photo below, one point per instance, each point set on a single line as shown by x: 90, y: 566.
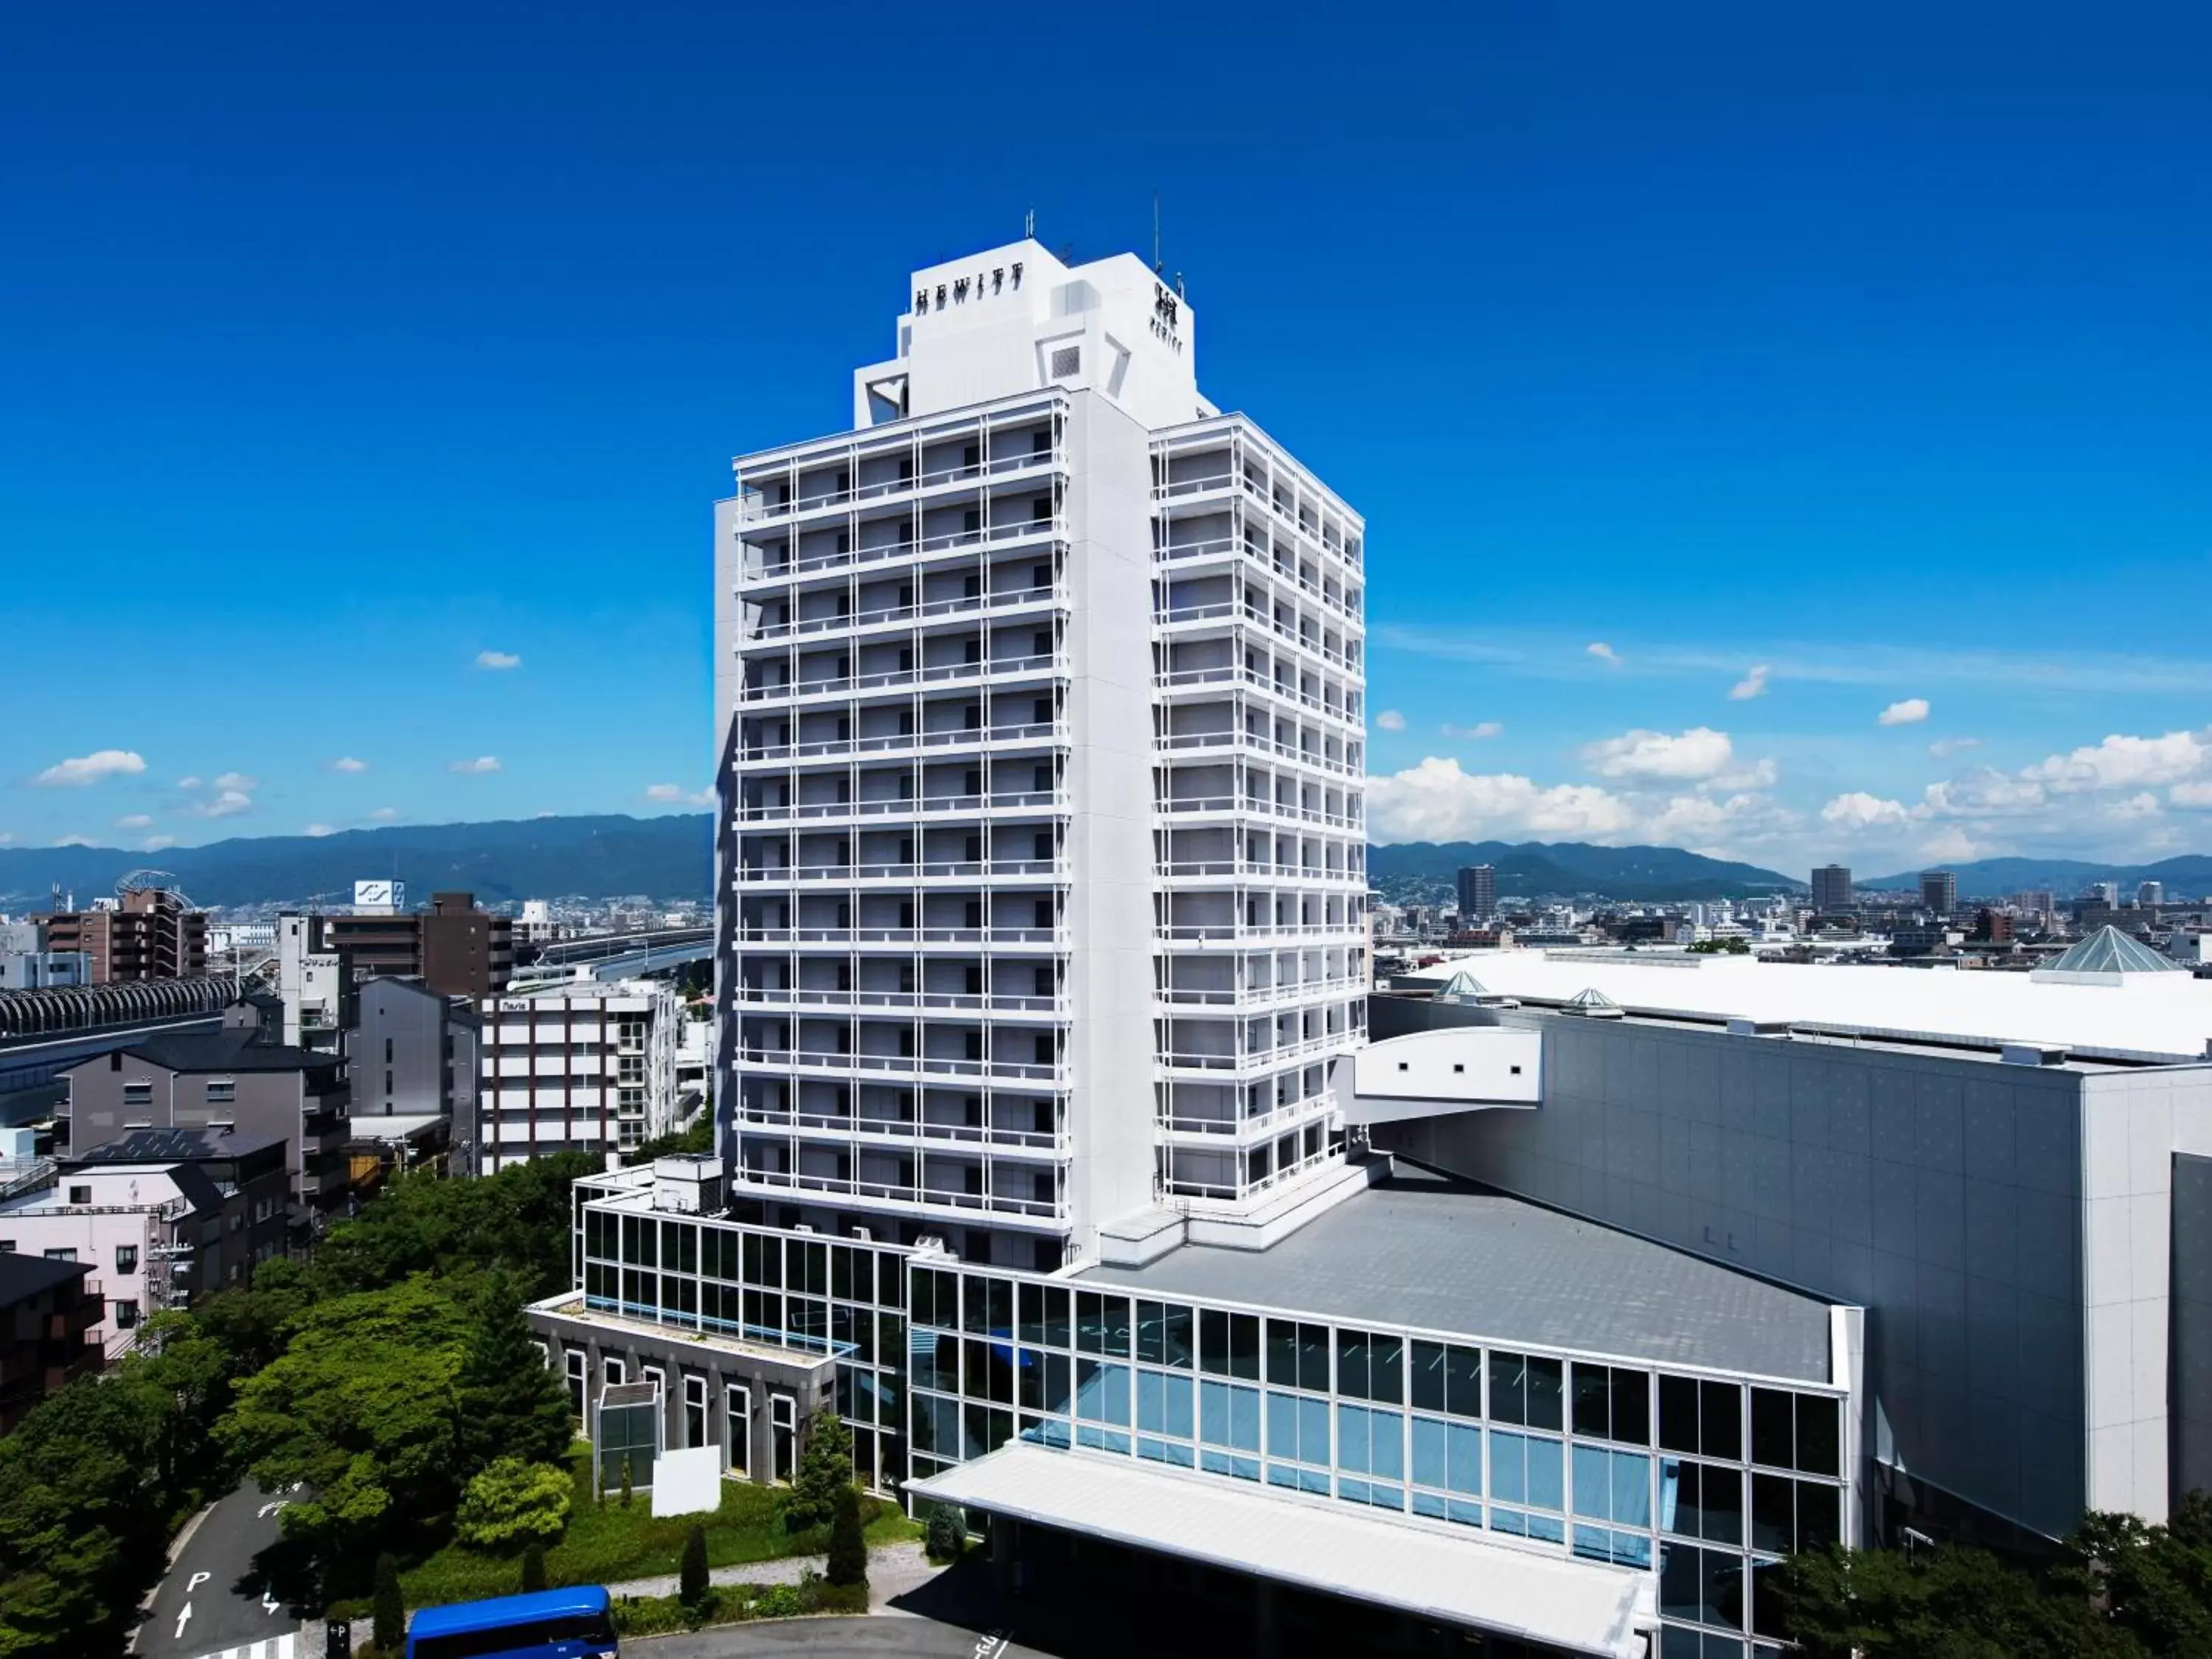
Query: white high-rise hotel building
x: 1043, y: 853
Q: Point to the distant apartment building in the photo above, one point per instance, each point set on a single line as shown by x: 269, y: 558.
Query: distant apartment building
x: 1478, y: 894
x: 578, y: 1066
x: 44, y: 970
x: 1832, y: 889
x: 50, y: 1317
x: 1939, y: 891
x: 156, y: 1233
x: 239, y: 1078
x: 146, y: 934
x: 413, y: 1062
x: 2150, y: 895
x: 453, y: 948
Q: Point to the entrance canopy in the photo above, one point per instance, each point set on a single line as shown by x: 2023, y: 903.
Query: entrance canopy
x: 1337, y: 1549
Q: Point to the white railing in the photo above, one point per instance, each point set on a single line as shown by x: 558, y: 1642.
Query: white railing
x: 967, y: 604
x: 776, y: 571
x: 901, y: 679
x: 756, y: 507
x: 794, y: 874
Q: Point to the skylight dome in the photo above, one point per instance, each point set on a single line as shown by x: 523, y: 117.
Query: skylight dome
x: 2108, y: 957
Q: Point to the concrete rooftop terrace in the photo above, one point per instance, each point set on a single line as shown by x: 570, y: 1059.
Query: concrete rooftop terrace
x: 1420, y: 1249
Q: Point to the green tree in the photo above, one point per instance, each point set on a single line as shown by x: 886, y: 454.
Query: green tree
x: 533, y: 1569
x: 691, y: 1580
x: 848, y: 1544
x: 510, y: 1404
x: 361, y: 1407
x: 389, y: 1611
x: 824, y: 1468
x: 2153, y: 1583
x: 1945, y: 1603
x: 694, y: 1142
x: 944, y: 1536
x: 514, y: 1503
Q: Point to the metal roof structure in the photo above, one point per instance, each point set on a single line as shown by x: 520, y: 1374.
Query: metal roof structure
x: 2161, y: 1018
x: 237, y: 1049
x: 55, y: 1010
x: 1460, y: 1577
x: 2104, y: 957
x: 1423, y: 1251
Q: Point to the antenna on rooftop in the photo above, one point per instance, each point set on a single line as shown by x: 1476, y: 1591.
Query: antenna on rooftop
x: 1029, y: 226
x: 1156, y: 233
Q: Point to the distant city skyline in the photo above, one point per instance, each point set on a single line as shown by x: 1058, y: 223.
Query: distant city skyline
x: 1753, y: 412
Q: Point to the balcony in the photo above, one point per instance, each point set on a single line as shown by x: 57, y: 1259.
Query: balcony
x: 757, y: 509
x: 1255, y: 997
x: 964, y: 1204
x: 904, y: 875
x: 910, y: 1135
x: 905, y: 1068
x: 1258, y: 1061
x: 1235, y: 806
x: 921, y: 809
x: 1187, y: 555
x: 906, y: 939
x: 799, y: 999
x: 944, y: 676
x: 919, y: 551
x: 1203, y: 871
x: 895, y: 745
x: 908, y: 616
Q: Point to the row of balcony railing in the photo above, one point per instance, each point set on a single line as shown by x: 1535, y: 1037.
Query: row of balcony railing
x: 1232, y: 481
x: 920, y: 551
x: 1343, y: 601
x: 1225, y: 677
x: 910, y: 615
x: 904, y: 1132
x: 920, y: 1197
x: 1250, y: 1126
x: 758, y: 506
x: 891, y: 745
x: 982, y: 671
x: 1233, y: 610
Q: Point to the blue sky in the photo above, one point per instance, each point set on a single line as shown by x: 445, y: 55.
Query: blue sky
x: 1866, y: 346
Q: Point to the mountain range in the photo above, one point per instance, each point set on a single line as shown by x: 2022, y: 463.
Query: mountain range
x: 1654, y: 874
x: 672, y: 858
x: 610, y: 857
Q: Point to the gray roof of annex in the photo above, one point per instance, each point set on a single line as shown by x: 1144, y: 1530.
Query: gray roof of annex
x: 1422, y: 1250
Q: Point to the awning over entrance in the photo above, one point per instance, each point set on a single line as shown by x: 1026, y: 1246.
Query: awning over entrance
x: 1333, y: 1548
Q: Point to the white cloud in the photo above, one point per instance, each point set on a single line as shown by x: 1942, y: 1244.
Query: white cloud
x: 7, y: 837
x: 188, y: 783
x: 2142, y: 805
x: 663, y: 791
x: 1475, y: 734
x: 498, y: 660
x: 385, y: 814
x: 1944, y: 748
x: 237, y: 781
x: 1390, y: 720
x: 1437, y: 800
x: 1700, y: 752
x: 135, y: 821
x: 2126, y: 762
x: 481, y: 764
x: 319, y: 830
x: 1951, y: 845
x: 74, y: 841
x: 157, y: 843
x: 2190, y: 794
x: 1860, y: 810
x: 84, y: 769
x: 347, y: 764
x: 226, y: 804
x: 1983, y: 792
x: 1603, y: 652
x: 1753, y: 684
x: 1908, y: 712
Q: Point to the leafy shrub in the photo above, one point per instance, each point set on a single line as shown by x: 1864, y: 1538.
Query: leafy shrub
x: 512, y: 1504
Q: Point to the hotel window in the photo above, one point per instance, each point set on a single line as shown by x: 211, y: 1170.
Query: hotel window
x: 1298, y: 1432
x: 222, y: 1091
x: 1370, y: 1446
x: 1786, y: 1516
x: 694, y: 1411
x: 1164, y: 1416
x: 1795, y: 1432
x: 1102, y: 1324
x: 1701, y: 1418
x: 1525, y: 1470
x: 1701, y: 1500
x: 1613, y: 1487
x: 1229, y: 1344
x: 1370, y: 1367
x: 1525, y: 1390
x: 1229, y: 1428
x: 1701, y: 1586
x: 127, y: 1258
x: 573, y: 1363
x: 1611, y: 1403
x: 1447, y: 1378
x: 1298, y: 1356
x: 1165, y: 1335
x: 738, y: 1427
x: 1448, y: 1462
x: 139, y: 1092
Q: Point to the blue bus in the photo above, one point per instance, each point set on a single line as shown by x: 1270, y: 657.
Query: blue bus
x: 562, y: 1623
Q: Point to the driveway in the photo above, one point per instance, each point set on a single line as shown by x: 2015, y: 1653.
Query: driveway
x: 203, y: 1606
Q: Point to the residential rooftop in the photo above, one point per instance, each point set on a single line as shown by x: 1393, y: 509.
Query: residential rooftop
x: 2138, y: 1018
x: 1421, y: 1250
x: 238, y: 1049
